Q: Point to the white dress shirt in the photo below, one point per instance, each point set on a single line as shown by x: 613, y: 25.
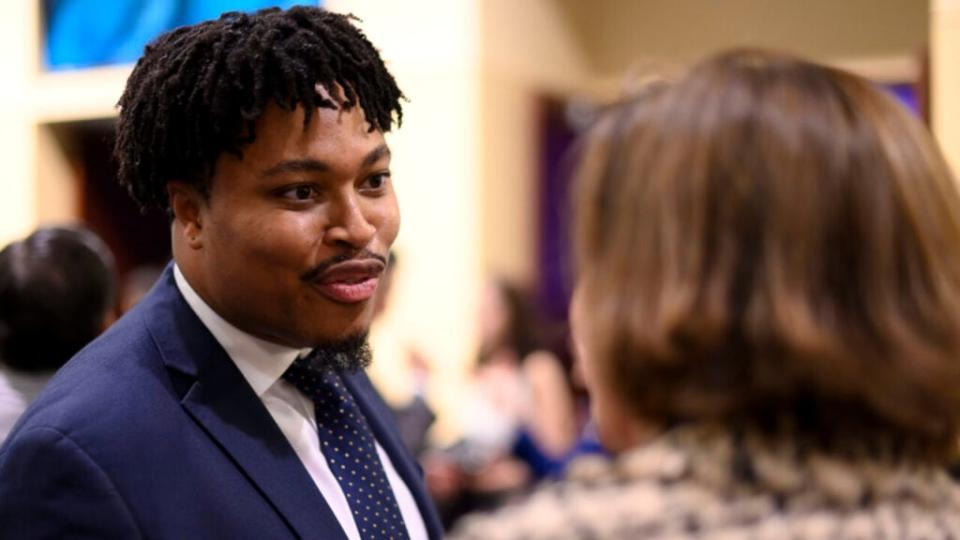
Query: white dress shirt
x: 262, y: 364
x: 17, y: 391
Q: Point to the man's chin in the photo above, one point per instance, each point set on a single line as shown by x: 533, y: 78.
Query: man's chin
x: 348, y: 353
x: 346, y: 335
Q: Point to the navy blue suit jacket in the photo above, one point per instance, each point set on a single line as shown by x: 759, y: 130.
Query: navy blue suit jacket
x: 152, y: 432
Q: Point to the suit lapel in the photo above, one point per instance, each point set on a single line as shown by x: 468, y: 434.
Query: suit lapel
x: 381, y: 422
x: 221, y: 401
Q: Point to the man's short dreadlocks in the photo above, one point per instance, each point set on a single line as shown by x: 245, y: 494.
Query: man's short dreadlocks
x: 198, y: 90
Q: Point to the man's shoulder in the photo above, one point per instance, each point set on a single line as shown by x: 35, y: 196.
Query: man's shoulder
x: 112, y: 359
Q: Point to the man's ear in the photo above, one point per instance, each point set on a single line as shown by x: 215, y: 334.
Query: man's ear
x: 186, y: 203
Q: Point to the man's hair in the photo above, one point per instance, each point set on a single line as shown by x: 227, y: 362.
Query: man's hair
x: 768, y: 240
x: 57, y: 287
x: 199, y: 90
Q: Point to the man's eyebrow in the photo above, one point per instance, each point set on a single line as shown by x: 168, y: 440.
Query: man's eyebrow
x: 315, y: 166
x: 296, y: 166
x: 375, y: 155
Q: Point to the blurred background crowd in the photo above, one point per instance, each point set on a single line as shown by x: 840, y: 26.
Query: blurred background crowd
x: 472, y: 342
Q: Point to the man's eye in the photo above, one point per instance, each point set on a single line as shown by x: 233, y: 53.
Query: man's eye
x: 377, y: 181
x: 300, y: 193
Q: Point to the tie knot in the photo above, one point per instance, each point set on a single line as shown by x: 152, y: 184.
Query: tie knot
x: 311, y: 380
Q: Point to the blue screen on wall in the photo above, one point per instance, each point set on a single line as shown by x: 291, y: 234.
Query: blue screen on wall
x: 86, y: 33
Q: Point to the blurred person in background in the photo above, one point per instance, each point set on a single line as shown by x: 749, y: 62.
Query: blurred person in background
x: 232, y: 401
x: 518, y: 415
x: 57, y: 293
x: 521, y: 403
x: 768, y: 308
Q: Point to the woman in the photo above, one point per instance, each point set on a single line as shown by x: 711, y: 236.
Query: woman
x: 770, y: 277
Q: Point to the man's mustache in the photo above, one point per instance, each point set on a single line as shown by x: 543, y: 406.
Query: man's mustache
x: 317, y: 271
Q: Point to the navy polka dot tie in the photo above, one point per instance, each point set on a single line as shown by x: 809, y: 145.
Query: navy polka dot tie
x: 349, y: 447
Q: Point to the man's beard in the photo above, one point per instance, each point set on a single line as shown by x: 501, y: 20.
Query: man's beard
x: 343, y: 356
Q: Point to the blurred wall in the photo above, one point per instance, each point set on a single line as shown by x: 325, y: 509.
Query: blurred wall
x: 945, y: 77
x: 626, y: 39
x: 618, y: 33
x: 528, y: 50
x: 18, y: 63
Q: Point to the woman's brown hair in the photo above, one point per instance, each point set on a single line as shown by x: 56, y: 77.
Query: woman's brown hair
x: 768, y: 240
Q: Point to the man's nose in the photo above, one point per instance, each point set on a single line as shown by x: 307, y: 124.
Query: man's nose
x: 348, y: 223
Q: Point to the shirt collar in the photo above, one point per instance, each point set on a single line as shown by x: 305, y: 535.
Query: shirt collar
x: 260, y: 362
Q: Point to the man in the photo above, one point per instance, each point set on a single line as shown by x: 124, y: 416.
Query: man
x: 57, y: 293
x: 202, y: 413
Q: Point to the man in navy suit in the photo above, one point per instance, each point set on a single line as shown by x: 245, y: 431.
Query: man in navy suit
x: 231, y: 402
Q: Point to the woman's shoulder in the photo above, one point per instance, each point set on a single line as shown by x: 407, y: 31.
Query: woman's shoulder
x: 639, y: 495
x: 703, y: 486
x: 570, y: 510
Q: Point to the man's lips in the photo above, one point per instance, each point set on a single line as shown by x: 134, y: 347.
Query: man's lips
x: 349, y: 282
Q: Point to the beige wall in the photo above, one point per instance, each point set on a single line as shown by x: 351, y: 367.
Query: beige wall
x: 619, y: 33
x: 945, y: 77
x: 17, y: 148
x: 528, y: 51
